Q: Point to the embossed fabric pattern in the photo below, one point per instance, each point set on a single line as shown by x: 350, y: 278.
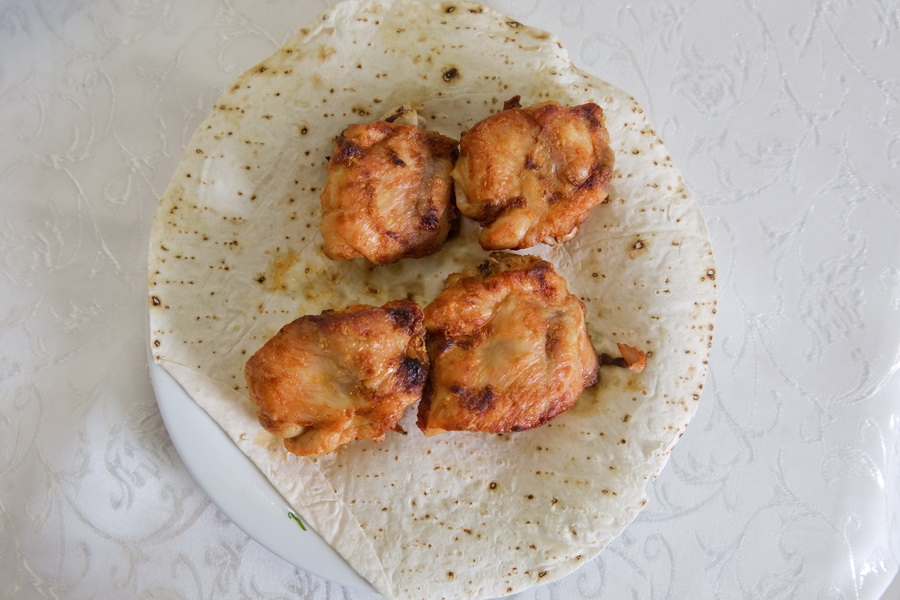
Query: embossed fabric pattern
x: 782, y: 117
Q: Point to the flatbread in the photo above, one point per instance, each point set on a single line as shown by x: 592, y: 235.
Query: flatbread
x: 236, y: 253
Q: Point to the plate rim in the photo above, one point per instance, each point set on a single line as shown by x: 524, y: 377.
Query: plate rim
x: 258, y: 510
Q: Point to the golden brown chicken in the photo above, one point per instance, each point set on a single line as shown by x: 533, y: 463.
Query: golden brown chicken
x: 325, y: 380
x: 532, y: 175
x: 388, y: 193
x: 508, y: 348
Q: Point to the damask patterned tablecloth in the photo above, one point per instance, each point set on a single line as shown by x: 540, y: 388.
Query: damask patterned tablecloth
x: 783, y: 118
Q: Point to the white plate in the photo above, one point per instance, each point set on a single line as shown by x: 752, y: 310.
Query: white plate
x: 239, y: 489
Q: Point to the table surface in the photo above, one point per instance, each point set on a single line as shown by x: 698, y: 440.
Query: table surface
x: 783, y: 117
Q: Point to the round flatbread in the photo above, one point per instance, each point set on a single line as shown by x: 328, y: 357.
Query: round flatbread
x: 236, y: 253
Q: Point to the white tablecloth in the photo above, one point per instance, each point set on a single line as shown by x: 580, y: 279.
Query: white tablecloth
x: 783, y: 117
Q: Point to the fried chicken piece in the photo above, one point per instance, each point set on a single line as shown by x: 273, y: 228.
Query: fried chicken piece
x: 388, y: 193
x: 532, y: 175
x: 508, y: 346
x: 325, y: 380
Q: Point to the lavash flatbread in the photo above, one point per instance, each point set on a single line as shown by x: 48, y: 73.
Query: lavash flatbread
x: 236, y: 253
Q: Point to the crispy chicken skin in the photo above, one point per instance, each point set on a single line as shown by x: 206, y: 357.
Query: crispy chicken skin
x: 508, y: 348
x: 325, y: 380
x: 532, y: 175
x: 388, y: 193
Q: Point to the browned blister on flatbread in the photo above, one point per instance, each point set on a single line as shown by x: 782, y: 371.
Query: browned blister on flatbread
x: 236, y: 252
